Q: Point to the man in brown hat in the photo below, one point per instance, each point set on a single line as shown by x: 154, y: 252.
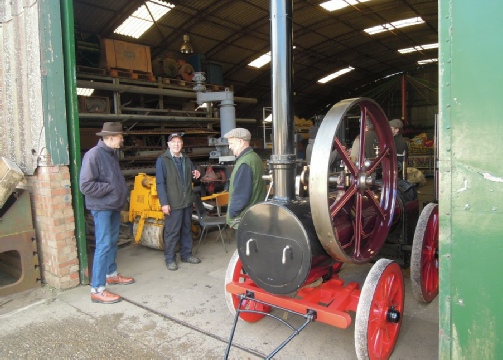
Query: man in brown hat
x: 246, y: 186
x: 173, y: 176
x: 106, y: 192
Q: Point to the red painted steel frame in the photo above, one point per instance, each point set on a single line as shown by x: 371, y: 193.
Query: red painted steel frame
x: 332, y: 300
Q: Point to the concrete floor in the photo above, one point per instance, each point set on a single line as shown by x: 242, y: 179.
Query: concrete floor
x: 183, y: 315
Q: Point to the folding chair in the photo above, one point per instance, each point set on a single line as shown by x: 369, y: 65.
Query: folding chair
x: 221, y: 200
x: 207, y: 221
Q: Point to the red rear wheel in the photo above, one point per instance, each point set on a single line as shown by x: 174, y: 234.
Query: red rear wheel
x: 236, y: 274
x: 380, y: 311
x: 424, y: 257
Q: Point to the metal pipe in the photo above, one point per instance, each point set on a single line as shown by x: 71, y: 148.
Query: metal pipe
x: 72, y: 112
x: 404, y: 100
x: 227, y: 116
x: 283, y: 158
x: 146, y: 90
x: 139, y: 117
x: 126, y: 108
x: 227, y: 110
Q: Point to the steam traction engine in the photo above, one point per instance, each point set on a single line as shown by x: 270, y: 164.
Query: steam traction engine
x: 290, y: 248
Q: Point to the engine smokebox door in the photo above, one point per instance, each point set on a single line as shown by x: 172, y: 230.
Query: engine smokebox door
x: 274, y: 247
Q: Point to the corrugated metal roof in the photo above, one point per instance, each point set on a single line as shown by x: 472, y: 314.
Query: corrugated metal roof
x: 22, y: 138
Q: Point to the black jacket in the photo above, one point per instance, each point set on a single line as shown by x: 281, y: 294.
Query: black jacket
x: 171, y: 189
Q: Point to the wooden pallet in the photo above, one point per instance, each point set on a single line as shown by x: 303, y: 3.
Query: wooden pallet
x: 90, y: 70
x: 130, y: 74
x: 141, y: 75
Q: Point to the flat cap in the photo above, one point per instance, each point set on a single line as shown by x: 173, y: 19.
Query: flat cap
x: 174, y: 135
x: 239, y: 133
x: 396, y: 123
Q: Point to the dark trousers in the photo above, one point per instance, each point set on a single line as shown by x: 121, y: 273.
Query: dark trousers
x: 178, y: 226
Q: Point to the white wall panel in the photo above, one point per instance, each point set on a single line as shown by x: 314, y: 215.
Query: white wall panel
x: 22, y: 135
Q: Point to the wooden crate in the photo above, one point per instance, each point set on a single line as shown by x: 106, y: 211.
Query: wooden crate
x: 10, y: 176
x: 124, y: 55
x: 94, y: 104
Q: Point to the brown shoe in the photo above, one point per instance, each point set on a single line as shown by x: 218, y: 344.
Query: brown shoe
x: 119, y: 280
x: 105, y: 297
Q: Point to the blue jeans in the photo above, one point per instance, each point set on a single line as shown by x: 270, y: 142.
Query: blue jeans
x: 106, y: 231
x: 178, y: 226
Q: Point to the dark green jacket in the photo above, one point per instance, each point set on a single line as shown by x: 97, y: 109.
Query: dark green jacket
x: 169, y: 183
x: 258, y: 189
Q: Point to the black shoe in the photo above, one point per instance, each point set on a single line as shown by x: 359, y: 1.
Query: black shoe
x: 191, y: 260
x: 172, y: 266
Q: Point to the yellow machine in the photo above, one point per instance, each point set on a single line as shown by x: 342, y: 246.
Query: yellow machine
x: 145, y: 212
x: 147, y: 217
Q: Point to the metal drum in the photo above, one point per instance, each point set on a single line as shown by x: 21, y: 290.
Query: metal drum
x: 278, y: 246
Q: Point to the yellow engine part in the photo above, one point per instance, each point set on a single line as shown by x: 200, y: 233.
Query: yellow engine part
x: 146, y: 215
x: 145, y: 212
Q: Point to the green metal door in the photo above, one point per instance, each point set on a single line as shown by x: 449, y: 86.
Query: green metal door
x: 471, y: 179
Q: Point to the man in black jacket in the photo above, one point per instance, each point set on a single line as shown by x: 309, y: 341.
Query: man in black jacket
x: 174, y: 173
x: 106, y: 192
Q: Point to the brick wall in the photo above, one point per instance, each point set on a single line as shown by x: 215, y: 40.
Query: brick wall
x: 54, y: 224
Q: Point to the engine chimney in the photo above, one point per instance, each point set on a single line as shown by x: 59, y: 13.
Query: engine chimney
x: 283, y: 159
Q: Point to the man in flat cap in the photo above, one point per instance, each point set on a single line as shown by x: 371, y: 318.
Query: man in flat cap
x: 402, y: 150
x: 371, y: 143
x: 246, y: 186
x: 173, y: 175
x: 106, y: 192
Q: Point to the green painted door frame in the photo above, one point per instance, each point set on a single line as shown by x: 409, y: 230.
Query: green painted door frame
x: 60, y: 106
x: 471, y: 179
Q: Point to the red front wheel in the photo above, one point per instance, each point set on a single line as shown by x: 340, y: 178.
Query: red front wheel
x: 236, y: 274
x: 380, y: 311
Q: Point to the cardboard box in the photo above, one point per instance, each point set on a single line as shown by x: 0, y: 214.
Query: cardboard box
x: 124, y: 55
x: 10, y: 176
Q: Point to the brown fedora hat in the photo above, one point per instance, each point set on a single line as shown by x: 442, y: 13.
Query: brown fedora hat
x: 111, y: 128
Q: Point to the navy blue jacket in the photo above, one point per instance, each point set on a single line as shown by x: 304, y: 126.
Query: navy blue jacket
x: 101, y: 179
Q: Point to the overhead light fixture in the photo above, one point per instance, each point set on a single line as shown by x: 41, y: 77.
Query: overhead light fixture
x: 263, y: 60
x: 143, y: 18
x: 85, y: 91
x: 428, y: 61
x: 186, y: 47
x: 394, y: 25
x: 333, y: 5
x: 335, y: 75
x: 418, y: 48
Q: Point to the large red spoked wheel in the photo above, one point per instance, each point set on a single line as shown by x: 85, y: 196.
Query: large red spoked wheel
x: 235, y: 273
x: 424, y: 257
x: 380, y: 311
x: 352, y: 206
